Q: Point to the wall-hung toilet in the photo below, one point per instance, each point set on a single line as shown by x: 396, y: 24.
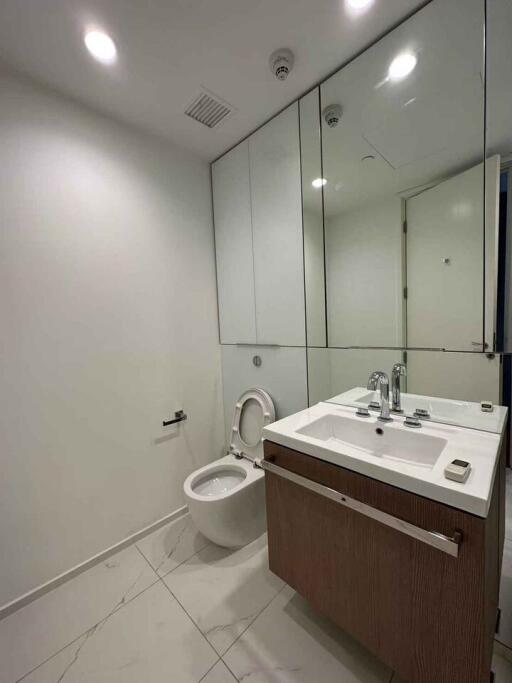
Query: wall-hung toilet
x: 226, y: 499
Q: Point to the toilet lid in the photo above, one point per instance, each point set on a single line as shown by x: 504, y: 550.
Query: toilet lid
x: 253, y: 411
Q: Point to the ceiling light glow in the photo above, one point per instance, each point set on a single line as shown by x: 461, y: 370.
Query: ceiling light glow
x: 401, y: 66
x: 101, y: 46
x: 359, y: 4
x: 319, y: 182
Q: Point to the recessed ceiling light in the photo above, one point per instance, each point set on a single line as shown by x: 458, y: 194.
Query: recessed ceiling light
x: 359, y: 4
x: 401, y: 66
x: 319, y: 182
x: 101, y: 46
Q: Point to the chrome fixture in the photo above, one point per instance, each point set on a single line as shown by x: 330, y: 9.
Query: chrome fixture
x: 379, y: 379
x: 422, y: 412
x: 399, y: 370
x: 412, y: 421
x: 362, y: 412
x: 179, y: 416
x: 447, y: 544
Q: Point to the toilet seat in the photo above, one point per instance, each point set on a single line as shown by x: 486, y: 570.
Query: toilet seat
x: 238, y: 445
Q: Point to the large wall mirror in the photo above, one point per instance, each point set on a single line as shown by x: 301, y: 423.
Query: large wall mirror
x: 396, y: 169
x: 499, y: 152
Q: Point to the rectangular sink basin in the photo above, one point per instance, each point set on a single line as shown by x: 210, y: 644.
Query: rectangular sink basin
x: 411, y: 447
x: 391, y: 452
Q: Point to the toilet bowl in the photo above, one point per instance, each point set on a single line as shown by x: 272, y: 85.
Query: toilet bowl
x: 226, y: 499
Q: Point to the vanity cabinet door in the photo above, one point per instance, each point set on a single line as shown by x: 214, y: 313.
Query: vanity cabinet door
x: 233, y: 246
x: 428, y: 615
x: 274, y: 154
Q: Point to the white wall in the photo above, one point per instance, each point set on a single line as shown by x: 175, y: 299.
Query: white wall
x: 109, y: 324
x: 282, y: 374
x: 364, y: 275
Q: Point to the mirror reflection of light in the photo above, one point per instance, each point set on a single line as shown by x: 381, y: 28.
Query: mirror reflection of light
x: 101, y: 46
x: 319, y: 182
x: 402, y: 66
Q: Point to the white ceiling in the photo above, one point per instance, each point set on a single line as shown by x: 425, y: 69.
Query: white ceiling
x: 420, y: 130
x: 168, y: 49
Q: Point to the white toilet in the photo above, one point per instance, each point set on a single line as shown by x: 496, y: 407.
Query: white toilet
x: 226, y: 499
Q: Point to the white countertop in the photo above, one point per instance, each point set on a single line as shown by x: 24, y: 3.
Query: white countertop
x: 446, y: 410
x: 480, y: 448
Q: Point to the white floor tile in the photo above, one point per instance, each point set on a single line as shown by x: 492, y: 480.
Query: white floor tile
x: 31, y: 635
x: 224, y: 590
x: 289, y: 643
x: 219, y: 674
x: 169, y: 546
x: 505, y: 632
x: 502, y: 669
x: 151, y: 640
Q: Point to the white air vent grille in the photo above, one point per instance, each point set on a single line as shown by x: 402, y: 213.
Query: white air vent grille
x: 208, y: 109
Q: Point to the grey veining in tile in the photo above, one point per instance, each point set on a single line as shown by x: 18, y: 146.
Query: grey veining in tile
x: 151, y: 639
x: 36, y: 632
x: 219, y: 674
x: 290, y: 643
x: 169, y: 546
x: 505, y: 631
x: 224, y: 590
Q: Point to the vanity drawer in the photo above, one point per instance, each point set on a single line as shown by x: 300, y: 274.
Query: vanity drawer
x: 428, y: 614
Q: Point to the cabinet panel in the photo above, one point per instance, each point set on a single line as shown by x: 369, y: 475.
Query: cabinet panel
x: 233, y: 246
x: 428, y: 615
x: 277, y: 230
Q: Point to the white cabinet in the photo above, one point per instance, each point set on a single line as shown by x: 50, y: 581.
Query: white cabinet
x: 258, y: 234
x: 274, y: 157
x: 233, y: 246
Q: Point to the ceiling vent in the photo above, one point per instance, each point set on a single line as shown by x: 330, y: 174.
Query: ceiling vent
x: 209, y: 109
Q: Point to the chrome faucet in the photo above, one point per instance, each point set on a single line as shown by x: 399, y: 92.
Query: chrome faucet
x: 379, y: 379
x: 399, y: 370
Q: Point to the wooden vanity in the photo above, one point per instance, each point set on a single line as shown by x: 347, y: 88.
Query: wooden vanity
x: 427, y: 610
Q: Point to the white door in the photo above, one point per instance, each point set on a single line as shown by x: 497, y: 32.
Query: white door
x: 233, y: 246
x: 274, y: 154
x: 445, y: 257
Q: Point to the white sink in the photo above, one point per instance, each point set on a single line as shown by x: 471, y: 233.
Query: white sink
x: 411, y: 459
x: 401, y: 445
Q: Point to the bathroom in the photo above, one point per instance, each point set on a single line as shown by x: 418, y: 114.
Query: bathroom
x: 246, y: 433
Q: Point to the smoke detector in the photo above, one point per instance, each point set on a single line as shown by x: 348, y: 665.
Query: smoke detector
x: 332, y: 115
x: 281, y: 63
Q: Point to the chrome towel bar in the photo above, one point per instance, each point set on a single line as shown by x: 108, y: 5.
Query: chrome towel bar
x: 447, y: 544
x: 179, y: 416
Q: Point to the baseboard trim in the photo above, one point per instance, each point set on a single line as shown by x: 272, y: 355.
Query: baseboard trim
x: 35, y: 593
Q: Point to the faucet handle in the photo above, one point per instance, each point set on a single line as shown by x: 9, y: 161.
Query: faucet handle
x: 400, y: 369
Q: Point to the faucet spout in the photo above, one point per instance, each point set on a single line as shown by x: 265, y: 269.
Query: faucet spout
x: 379, y: 380
x: 399, y: 370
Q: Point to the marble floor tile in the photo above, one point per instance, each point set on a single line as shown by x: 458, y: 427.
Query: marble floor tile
x: 290, y: 643
x: 224, y: 590
x: 219, y: 674
x: 35, y: 632
x: 149, y: 640
x: 502, y: 669
x: 172, y: 544
x: 505, y: 631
